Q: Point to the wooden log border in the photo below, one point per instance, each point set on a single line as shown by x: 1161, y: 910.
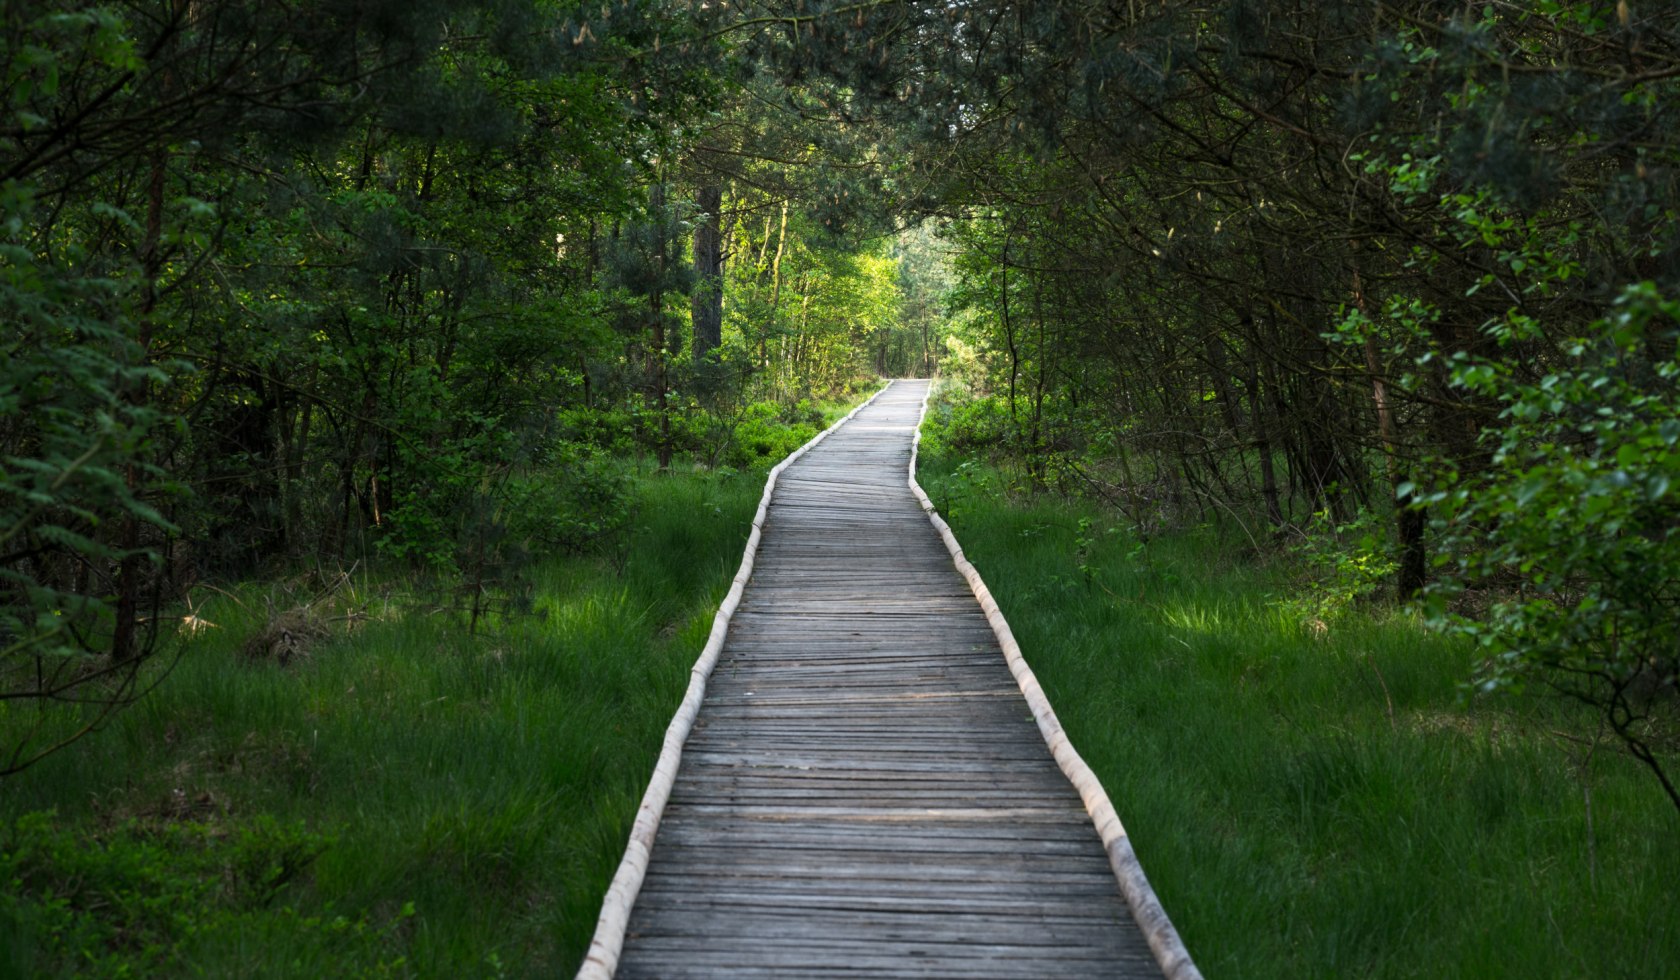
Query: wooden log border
x: 1151, y: 918
x: 608, y: 942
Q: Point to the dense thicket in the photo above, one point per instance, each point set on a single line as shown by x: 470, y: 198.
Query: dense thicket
x: 304, y: 284
x: 308, y: 282
x: 1325, y: 264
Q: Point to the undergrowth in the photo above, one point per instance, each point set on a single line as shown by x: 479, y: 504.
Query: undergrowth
x: 415, y: 797
x: 1316, y: 794
x: 352, y: 773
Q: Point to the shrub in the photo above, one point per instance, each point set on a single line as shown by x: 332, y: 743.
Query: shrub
x: 767, y: 432
x: 1574, y: 527
x: 980, y: 424
x: 577, y: 497
x: 80, y: 527
x: 1343, y: 564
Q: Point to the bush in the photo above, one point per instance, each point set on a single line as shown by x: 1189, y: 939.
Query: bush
x: 578, y: 497
x: 1574, y: 527
x: 980, y: 424
x: 768, y: 432
x: 80, y: 527
x: 612, y: 429
x: 475, y: 530
x: 1343, y: 564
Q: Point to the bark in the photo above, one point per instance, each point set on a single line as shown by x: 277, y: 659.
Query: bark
x: 707, y: 299
x: 1409, y: 522
x: 656, y: 311
x: 1263, y: 448
x: 775, y: 288
x: 776, y: 264
x: 1009, y: 338
x: 126, y: 641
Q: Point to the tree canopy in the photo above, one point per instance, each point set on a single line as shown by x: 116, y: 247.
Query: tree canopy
x: 318, y: 281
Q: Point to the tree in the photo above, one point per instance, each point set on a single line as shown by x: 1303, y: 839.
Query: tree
x: 708, y: 265
x: 291, y: 280
x: 1233, y: 259
x: 1574, y: 526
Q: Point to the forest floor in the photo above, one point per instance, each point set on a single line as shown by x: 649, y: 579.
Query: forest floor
x: 1320, y: 796
x: 407, y: 796
x: 1309, y: 796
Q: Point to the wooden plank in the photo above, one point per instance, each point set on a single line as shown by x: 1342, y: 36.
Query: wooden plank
x: 863, y: 790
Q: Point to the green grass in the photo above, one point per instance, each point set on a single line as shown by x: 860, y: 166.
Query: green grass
x: 411, y: 799
x: 1320, y: 802
x: 465, y: 799
x: 415, y: 801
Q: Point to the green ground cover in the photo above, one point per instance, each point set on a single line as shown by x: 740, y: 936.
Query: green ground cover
x: 1312, y: 796
x: 408, y: 800
x: 1317, y: 797
x: 411, y: 795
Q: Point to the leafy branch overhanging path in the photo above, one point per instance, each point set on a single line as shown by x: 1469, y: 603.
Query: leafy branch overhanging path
x: 858, y: 782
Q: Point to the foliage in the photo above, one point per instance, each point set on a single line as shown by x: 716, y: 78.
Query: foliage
x: 309, y: 284
x: 1342, y: 565
x: 413, y: 800
x: 422, y: 285
x: 767, y: 432
x: 978, y: 425
x: 810, y: 313
x: 1572, y: 531
x: 79, y: 493
x: 1224, y: 263
x: 131, y: 901
x: 1405, y: 828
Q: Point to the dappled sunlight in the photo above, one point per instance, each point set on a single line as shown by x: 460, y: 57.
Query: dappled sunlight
x: 1198, y: 618
x: 1213, y: 615
x: 576, y: 613
x: 387, y: 388
x: 1491, y: 729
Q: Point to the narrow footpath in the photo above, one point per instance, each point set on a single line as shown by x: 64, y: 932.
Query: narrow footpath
x: 864, y: 791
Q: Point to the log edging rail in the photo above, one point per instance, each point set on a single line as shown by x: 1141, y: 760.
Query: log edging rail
x: 607, y: 945
x: 1151, y: 916
x: 608, y: 942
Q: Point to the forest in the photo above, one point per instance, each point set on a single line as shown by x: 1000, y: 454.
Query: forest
x: 386, y: 389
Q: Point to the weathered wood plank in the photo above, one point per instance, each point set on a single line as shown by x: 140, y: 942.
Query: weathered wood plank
x: 864, y: 791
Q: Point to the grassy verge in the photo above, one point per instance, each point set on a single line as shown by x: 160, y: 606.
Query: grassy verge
x: 1316, y: 799
x: 408, y: 800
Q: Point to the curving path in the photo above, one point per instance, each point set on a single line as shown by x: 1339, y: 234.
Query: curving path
x: 865, y: 791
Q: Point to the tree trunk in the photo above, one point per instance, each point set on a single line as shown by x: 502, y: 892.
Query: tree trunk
x: 1263, y: 448
x: 656, y: 310
x: 708, y: 269
x: 1409, y: 522
x: 126, y: 641
x: 776, y: 267
x: 775, y: 291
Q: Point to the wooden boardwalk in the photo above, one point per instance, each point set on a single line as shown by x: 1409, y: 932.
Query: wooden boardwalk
x: 864, y: 791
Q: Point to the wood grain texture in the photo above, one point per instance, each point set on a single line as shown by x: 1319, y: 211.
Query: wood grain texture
x: 601, y: 961
x: 1151, y: 917
x: 863, y: 790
